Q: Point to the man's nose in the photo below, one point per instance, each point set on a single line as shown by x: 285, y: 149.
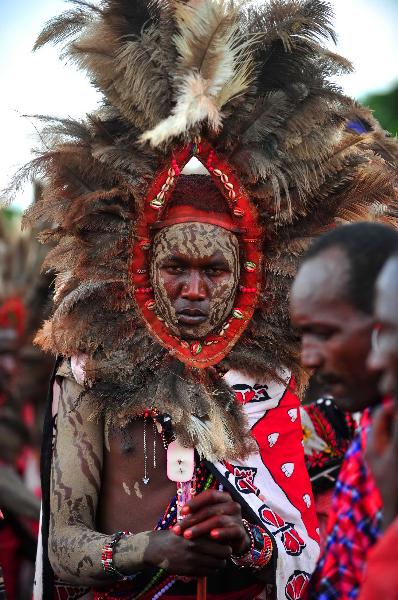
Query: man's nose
x: 194, y: 287
x: 311, y: 354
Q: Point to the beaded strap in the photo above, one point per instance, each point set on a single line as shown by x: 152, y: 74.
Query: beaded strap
x: 260, y: 551
x: 107, y: 556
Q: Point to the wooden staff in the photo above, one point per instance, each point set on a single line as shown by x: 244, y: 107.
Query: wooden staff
x: 180, y: 468
x: 201, y: 591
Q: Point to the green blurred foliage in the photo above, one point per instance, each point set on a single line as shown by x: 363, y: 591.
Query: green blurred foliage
x: 10, y: 221
x: 385, y: 107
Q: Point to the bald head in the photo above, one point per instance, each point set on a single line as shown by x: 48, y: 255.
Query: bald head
x: 387, y: 283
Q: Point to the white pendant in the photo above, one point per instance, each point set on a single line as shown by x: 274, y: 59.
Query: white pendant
x: 180, y: 462
x: 145, y: 480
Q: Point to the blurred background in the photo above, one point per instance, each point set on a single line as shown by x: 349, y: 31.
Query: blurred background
x: 41, y: 84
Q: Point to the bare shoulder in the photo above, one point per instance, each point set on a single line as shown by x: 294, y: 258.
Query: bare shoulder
x: 73, y: 403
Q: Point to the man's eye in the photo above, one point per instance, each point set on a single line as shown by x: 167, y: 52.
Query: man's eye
x: 323, y: 334
x: 173, y: 268
x: 320, y: 335
x: 214, y: 271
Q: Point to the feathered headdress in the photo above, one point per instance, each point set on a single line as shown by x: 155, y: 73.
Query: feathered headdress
x: 246, y: 90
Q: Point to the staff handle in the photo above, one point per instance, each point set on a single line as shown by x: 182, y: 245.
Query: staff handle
x: 201, y: 590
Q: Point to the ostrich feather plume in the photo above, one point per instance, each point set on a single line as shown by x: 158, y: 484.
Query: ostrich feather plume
x: 213, y: 67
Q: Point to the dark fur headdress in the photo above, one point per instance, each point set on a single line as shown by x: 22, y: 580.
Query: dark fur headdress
x: 253, y: 82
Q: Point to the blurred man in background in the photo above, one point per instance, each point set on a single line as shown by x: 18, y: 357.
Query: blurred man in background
x: 20, y: 505
x: 332, y: 310
x: 381, y: 579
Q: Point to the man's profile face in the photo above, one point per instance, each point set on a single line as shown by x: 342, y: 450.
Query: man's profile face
x: 384, y: 355
x: 195, y: 275
x: 335, y: 335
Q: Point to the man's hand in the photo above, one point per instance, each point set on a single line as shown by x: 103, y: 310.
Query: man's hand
x: 382, y: 456
x: 215, y: 514
x: 180, y: 556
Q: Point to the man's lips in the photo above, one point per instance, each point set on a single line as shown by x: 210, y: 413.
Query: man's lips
x: 191, y: 316
x: 331, y: 385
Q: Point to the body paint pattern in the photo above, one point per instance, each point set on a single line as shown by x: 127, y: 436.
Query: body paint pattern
x: 74, y: 544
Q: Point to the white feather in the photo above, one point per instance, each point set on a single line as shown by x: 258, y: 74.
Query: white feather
x: 194, y: 105
x: 213, y: 67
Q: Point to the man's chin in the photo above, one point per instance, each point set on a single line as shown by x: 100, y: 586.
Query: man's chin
x: 191, y: 334
x: 336, y: 390
x: 343, y: 403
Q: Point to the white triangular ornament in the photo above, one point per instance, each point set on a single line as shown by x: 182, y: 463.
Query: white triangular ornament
x: 287, y: 469
x: 194, y: 167
x: 272, y: 439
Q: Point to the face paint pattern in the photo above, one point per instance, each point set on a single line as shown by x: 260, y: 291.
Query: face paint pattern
x: 196, y: 242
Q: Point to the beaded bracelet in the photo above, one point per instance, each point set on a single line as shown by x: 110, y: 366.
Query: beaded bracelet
x: 107, y: 556
x: 260, y: 551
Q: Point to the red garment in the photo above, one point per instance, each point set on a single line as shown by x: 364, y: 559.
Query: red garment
x: 353, y: 528
x: 323, y: 505
x: 10, y: 559
x: 381, y: 577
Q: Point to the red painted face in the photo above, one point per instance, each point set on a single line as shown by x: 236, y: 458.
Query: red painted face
x: 195, y: 274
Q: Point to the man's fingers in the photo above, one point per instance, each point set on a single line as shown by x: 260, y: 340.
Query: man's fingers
x: 226, y: 508
x: 198, y: 564
x: 203, y: 499
x: 205, y: 527
x: 226, y: 534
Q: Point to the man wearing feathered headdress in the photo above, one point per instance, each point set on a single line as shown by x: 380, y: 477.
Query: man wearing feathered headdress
x: 181, y: 209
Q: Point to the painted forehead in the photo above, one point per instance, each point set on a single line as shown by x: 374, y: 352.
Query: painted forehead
x: 196, y: 240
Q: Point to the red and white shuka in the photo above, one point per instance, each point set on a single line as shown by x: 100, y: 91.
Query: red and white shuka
x: 273, y: 482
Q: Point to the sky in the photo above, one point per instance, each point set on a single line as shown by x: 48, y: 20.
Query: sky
x: 38, y: 83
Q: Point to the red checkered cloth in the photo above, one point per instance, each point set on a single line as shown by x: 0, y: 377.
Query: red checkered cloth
x: 354, y: 526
